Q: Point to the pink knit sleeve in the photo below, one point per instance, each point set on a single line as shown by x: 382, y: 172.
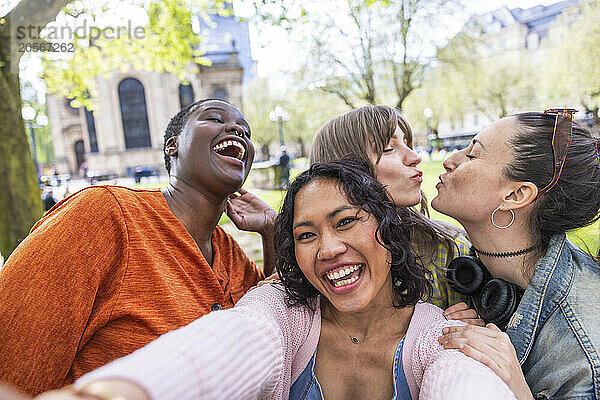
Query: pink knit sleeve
x: 242, y: 353
x: 449, y: 374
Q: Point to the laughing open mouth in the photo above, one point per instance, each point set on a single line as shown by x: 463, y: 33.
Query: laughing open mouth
x: 344, y: 276
x: 231, y: 148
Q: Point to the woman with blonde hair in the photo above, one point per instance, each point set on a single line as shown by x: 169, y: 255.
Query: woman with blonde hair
x: 383, y: 138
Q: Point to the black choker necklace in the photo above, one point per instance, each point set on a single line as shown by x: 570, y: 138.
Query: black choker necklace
x: 507, y: 254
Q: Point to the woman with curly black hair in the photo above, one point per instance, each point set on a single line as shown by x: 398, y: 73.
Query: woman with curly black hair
x: 345, y: 323
x: 392, y: 233
x: 381, y: 136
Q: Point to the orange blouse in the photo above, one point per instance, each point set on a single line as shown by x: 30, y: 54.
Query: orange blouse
x: 102, y: 274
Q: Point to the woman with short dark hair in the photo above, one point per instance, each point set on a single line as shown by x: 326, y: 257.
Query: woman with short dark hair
x: 111, y: 268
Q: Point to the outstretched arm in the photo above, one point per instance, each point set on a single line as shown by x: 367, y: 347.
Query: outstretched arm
x: 223, y: 355
x: 246, y: 352
x: 110, y: 389
x: 249, y: 213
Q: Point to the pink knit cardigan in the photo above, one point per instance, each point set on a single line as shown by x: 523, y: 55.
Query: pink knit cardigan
x: 258, y: 348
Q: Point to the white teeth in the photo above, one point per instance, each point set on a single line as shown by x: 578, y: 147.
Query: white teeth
x: 346, y: 281
x: 343, y: 272
x: 234, y: 143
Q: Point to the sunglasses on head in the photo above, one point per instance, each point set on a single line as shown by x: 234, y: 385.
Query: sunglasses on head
x: 561, y: 140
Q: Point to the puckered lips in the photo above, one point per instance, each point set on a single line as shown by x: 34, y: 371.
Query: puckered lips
x: 440, y: 182
x: 343, y: 278
x: 418, y: 176
x: 232, y: 148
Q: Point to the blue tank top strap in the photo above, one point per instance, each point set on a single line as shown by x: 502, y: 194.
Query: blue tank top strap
x: 401, y: 389
x: 306, y: 386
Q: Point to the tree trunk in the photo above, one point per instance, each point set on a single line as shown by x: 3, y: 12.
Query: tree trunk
x: 20, y: 200
x: 302, y: 147
x: 20, y: 197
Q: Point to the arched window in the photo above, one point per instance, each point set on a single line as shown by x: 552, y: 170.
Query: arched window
x: 186, y: 95
x: 79, y: 153
x: 220, y: 93
x: 71, y: 108
x: 134, y: 113
x: 91, y: 125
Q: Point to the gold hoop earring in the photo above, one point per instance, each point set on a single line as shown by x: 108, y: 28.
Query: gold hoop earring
x: 506, y: 226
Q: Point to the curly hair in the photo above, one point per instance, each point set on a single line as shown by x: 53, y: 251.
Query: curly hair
x: 176, y: 125
x: 409, y: 278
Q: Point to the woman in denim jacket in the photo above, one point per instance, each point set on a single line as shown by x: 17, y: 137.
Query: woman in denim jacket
x: 517, y: 188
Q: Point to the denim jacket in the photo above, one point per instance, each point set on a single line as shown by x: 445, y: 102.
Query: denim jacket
x: 556, y: 328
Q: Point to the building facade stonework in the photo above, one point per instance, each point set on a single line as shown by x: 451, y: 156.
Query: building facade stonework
x: 133, y: 108
x: 509, y: 33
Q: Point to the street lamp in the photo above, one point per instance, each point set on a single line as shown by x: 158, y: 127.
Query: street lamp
x: 41, y: 120
x: 428, y: 113
x: 279, y: 115
x: 29, y: 115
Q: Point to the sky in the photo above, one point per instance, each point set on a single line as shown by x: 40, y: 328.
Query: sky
x: 273, y: 52
x: 276, y: 55
x: 487, y: 5
x: 279, y: 54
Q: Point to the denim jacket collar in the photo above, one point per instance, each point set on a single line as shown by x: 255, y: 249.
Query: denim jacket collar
x: 547, y: 289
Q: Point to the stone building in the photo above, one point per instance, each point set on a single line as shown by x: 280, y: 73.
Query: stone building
x: 508, y: 32
x: 134, y: 107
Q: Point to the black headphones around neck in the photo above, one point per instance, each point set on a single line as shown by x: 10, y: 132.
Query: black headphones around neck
x: 495, y: 300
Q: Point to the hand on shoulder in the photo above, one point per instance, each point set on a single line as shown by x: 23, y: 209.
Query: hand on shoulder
x: 462, y: 312
x: 493, y: 348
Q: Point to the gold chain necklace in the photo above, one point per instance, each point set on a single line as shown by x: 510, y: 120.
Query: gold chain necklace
x: 354, y: 339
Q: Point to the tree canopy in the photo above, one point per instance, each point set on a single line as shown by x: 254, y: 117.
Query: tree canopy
x: 168, y: 45
x: 368, y: 52
x: 573, y: 75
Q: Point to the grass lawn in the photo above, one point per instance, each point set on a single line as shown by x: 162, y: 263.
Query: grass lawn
x: 587, y: 237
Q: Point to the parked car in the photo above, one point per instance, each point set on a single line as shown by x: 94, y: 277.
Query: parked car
x: 55, y: 180
x: 143, y: 171
x: 96, y: 176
